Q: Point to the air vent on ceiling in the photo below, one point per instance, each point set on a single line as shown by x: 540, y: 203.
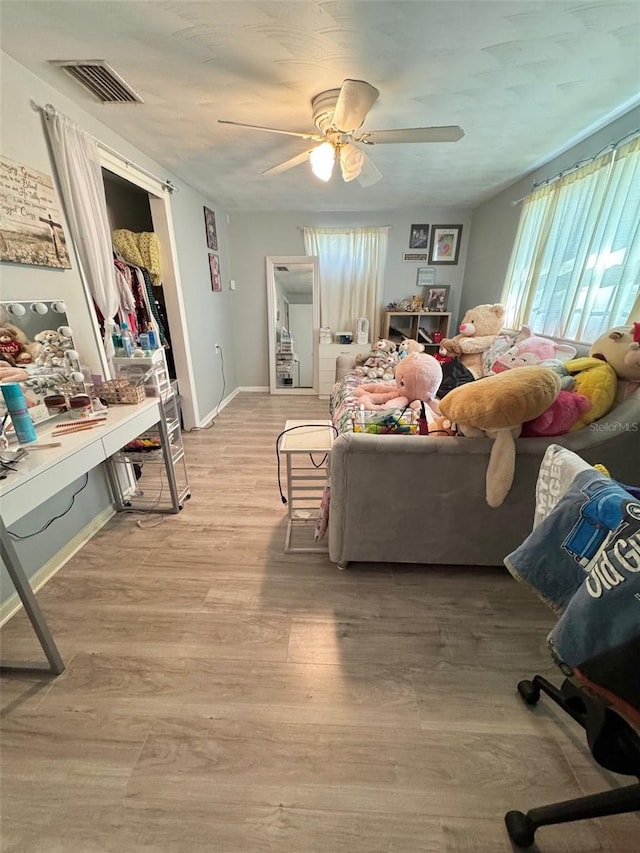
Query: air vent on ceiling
x: 100, y: 79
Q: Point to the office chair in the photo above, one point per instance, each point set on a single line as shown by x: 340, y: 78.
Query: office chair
x: 614, y: 744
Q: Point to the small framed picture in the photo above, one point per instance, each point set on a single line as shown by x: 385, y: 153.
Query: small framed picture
x: 445, y: 244
x: 437, y: 298
x: 426, y: 277
x: 210, y: 226
x: 420, y: 257
x: 419, y: 237
x: 214, y: 269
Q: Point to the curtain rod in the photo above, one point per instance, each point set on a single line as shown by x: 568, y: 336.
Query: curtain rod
x: 49, y: 111
x: 612, y: 146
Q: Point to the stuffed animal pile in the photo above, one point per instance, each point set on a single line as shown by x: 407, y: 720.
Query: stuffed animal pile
x: 418, y: 377
x: 380, y: 363
x: 13, y: 350
x: 52, y: 346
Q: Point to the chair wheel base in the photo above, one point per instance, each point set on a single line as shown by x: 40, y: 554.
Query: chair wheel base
x: 529, y: 693
x: 520, y: 828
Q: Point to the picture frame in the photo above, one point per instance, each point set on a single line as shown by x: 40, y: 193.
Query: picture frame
x: 419, y: 237
x: 426, y: 277
x: 210, y: 228
x: 445, y: 244
x: 214, y: 271
x: 437, y: 298
x: 420, y: 257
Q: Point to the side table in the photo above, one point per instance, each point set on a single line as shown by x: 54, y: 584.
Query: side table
x: 306, y: 475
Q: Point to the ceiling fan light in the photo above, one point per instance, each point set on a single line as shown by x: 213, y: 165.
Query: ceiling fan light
x: 322, y: 159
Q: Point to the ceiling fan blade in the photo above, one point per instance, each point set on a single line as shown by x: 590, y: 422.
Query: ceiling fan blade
x: 450, y: 133
x: 273, y: 130
x: 354, y: 102
x: 369, y: 174
x: 289, y: 164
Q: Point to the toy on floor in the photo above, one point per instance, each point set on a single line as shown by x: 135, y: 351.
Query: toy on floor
x: 559, y: 418
x: 418, y: 377
x: 478, y: 330
x: 497, y: 406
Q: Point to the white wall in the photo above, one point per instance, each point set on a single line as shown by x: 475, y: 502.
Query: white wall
x: 253, y: 236
x: 22, y: 139
x: 495, y: 223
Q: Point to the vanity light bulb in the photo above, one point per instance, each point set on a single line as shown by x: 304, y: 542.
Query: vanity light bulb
x: 17, y: 309
x: 72, y: 355
x: 39, y: 308
x: 76, y: 376
x: 59, y: 307
x: 65, y: 331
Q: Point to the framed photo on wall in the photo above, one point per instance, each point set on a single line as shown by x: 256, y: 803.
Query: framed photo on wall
x: 445, y: 244
x: 419, y: 237
x: 437, y: 298
x: 214, y: 269
x: 426, y: 277
x: 210, y: 226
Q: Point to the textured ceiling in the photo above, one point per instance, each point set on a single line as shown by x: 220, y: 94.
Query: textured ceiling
x: 521, y: 78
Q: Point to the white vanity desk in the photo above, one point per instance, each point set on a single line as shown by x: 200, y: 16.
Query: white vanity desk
x: 44, y: 473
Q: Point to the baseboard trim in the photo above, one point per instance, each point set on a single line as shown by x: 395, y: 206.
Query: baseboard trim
x: 215, y: 412
x: 260, y: 389
x: 11, y: 606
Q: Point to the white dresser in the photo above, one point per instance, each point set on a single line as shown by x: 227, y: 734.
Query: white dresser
x: 327, y: 355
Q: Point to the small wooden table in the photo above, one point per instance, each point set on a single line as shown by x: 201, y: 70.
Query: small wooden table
x: 306, y: 449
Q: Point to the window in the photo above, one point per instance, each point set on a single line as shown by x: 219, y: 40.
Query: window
x: 351, y: 265
x: 575, y: 266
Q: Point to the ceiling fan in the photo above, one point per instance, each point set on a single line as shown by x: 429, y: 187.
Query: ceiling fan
x: 338, y: 114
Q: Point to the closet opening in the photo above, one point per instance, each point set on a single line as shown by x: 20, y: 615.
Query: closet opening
x: 129, y: 208
x: 139, y: 203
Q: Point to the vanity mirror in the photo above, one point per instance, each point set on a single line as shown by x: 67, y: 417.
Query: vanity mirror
x: 293, y: 304
x: 35, y: 336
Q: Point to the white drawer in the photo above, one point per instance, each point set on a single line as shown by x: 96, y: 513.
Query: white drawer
x: 27, y: 496
x: 334, y: 350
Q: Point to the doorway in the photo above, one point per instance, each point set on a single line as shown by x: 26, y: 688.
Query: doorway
x: 138, y: 202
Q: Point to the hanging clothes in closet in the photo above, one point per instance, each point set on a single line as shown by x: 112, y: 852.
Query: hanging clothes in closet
x: 137, y: 261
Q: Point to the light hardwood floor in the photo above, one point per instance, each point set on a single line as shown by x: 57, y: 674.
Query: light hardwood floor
x: 221, y: 695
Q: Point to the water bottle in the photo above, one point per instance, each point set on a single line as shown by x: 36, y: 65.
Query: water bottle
x: 128, y: 344
x: 20, y: 418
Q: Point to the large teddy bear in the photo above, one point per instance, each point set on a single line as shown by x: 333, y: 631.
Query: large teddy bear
x: 478, y: 330
x: 418, y: 377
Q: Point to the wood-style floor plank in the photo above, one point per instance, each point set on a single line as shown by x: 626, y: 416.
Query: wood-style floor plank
x: 222, y: 696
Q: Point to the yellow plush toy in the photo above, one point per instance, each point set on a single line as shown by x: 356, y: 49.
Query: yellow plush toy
x: 497, y: 406
x: 598, y: 382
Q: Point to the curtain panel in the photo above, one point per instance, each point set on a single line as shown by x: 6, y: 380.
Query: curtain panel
x: 575, y: 266
x: 79, y: 173
x: 351, y: 264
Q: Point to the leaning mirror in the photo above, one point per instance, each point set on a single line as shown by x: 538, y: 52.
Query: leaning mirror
x: 294, y: 318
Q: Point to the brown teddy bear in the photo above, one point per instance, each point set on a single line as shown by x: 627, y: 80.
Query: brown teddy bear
x: 10, y: 346
x: 478, y: 330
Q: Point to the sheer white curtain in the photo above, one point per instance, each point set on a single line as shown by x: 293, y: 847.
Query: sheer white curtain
x: 80, y: 177
x: 575, y: 267
x: 351, y: 267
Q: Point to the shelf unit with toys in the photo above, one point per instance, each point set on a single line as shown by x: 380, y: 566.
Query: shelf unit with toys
x: 420, y: 326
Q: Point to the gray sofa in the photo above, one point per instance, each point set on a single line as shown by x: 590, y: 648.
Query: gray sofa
x: 417, y: 499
